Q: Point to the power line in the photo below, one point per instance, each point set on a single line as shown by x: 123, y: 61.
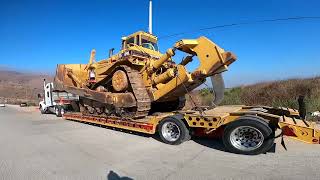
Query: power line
x: 243, y: 23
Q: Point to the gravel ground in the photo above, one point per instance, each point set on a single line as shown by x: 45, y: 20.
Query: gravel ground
x: 35, y: 146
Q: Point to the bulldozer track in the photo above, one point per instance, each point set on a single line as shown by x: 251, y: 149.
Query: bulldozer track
x: 139, y: 91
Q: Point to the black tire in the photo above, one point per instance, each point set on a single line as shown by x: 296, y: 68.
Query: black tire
x: 253, y: 123
x: 42, y: 110
x: 179, y: 124
x: 58, y: 111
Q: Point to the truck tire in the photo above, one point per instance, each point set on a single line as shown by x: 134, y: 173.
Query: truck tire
x: 249, y: 135
x: 59, y: 111
x: 173, y: 131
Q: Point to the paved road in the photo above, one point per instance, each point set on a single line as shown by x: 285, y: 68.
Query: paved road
x: 35, y: 146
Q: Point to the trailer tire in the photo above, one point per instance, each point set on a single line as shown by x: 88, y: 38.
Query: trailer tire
x: 59, y: 111
x: 173, y: 131
x: 249, y: 135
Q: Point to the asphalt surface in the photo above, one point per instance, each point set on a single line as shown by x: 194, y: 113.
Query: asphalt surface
x: 35, y: 146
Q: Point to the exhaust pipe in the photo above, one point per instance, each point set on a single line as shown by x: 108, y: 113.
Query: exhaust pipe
x: 44, y: 83
x: 111, y: 52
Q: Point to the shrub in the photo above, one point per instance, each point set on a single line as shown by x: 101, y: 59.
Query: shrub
x: 277, y: 94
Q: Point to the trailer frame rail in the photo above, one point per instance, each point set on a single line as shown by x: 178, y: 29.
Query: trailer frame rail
x: 112, y: 121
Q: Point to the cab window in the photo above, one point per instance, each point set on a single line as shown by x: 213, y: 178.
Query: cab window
x: 149, y: 45
x: 130, y: 41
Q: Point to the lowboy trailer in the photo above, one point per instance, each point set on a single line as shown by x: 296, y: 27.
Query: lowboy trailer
x: 247, y: 130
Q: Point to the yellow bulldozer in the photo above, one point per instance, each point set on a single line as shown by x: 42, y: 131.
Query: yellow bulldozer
x: 142, y: 90
x: 139, y: 80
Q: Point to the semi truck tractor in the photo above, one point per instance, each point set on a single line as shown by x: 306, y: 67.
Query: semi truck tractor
x: 57, y: 102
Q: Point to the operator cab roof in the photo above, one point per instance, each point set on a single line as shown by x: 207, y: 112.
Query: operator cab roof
x: 146, y: 35
x: 142, y: 39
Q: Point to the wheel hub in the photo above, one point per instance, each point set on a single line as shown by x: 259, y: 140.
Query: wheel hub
x: 246, y: 138
x: 170, y: 131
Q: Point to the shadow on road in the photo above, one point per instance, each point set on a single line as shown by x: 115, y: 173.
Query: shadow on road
x: 114, y: 176
x: 204, y: 141
x: 211, y: 143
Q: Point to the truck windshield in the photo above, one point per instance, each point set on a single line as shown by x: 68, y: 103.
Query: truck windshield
x: 149, y: 45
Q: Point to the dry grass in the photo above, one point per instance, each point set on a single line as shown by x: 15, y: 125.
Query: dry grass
x: 278, y: 93
x: 283, y: 93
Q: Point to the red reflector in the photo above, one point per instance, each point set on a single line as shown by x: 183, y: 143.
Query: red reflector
x: 288, y: 131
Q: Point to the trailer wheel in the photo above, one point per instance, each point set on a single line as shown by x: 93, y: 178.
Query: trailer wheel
x: 248, y: 135
x: 173, y: 131
x: 59, y: 111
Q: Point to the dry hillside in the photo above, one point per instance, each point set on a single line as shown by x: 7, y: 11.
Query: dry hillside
x: 277, y: 93
x: 17, y: 87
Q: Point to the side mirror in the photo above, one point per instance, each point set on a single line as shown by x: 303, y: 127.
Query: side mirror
x: 39, y: 96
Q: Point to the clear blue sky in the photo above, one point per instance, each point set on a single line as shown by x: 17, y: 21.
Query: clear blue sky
x: 35, y: 35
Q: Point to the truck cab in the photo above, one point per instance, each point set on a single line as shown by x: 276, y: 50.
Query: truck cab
x: 56, y: 102
x: 48, y: 94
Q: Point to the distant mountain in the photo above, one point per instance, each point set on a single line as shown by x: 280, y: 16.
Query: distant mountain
x: 18, y: 87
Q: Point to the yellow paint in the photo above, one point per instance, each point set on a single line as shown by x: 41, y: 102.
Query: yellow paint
x: 150, y: 60
x: 303, y: 133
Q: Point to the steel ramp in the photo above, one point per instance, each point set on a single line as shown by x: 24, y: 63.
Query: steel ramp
x: 299, y: 129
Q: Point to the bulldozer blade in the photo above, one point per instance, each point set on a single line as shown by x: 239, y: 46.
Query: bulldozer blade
x: 218, y: 88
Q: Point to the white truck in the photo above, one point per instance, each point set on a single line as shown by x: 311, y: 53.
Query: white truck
x: 3, y: 102
x: 57, y: 102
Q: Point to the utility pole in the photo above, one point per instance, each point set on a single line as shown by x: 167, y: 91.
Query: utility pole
x: 150, y: 16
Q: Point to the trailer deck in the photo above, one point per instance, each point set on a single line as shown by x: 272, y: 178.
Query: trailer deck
x: 213, y: 120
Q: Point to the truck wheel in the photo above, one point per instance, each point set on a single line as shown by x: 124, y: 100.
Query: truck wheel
x: 173, y: 131
x: 59, y: 111
x: 248, y: 135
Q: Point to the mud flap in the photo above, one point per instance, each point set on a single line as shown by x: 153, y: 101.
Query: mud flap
x: 273, y: 148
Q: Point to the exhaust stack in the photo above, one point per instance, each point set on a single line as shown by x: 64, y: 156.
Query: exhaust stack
x: 150, y: 16
x: 44, y: 83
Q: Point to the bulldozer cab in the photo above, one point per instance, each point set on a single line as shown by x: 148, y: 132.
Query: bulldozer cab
x: 142, y: 39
